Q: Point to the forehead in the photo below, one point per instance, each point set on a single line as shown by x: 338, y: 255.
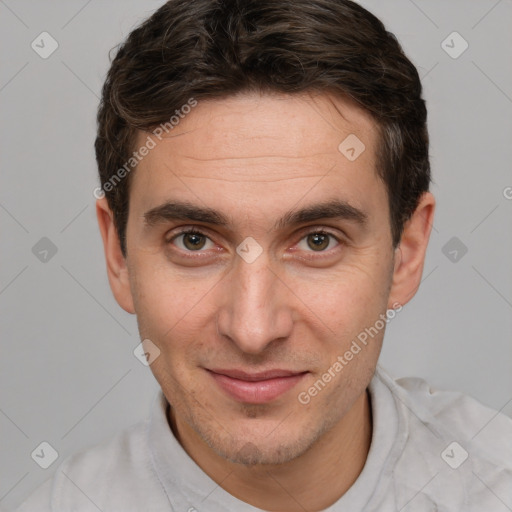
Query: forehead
x: 260, y: 149
x: 245, y: 121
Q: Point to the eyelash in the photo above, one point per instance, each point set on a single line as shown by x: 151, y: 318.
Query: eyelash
x: 193, y: 231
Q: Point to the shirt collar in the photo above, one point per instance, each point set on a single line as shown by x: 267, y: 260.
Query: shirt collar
x: 188, y: 487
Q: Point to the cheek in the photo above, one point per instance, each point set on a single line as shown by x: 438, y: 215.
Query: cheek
x: 178, y: 315
x: 164, y: 300
x: 344, y: 299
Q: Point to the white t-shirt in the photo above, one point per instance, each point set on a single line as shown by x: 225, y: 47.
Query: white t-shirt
x: 430, y: 451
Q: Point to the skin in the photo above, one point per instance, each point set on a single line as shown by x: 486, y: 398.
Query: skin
x: 253, y: 158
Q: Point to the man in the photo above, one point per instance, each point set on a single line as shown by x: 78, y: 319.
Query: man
x: 266, y: 213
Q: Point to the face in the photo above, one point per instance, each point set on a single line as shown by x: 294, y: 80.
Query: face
x: 257, y: 252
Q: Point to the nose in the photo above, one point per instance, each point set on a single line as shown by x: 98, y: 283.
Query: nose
x: 256, y: 310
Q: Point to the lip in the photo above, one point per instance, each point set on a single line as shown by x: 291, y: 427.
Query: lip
x: 256, y: 388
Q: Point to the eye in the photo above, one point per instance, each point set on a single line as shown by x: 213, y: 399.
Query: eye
x: 318, y: 241
x: 191, y: 240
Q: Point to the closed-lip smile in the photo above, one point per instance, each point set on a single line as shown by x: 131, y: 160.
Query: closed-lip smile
x: 255, y: 387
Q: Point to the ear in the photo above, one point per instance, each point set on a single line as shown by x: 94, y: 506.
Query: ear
x: 117, y: 269
x: 410, y: 253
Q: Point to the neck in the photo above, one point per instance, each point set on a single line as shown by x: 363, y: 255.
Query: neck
x: 313, y: 481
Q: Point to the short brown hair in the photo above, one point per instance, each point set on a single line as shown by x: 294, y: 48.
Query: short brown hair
x: 207, y: 49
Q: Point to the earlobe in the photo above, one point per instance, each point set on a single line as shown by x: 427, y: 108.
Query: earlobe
x: 117, y: 269
x: 410, y: 253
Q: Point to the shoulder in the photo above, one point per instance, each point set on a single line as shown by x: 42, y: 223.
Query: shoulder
x: 451, y: 440
x: 455, y: 413
x: 96, y: 477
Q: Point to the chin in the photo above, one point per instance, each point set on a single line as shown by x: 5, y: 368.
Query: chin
x: 282, y: 445
x: 261, y: 454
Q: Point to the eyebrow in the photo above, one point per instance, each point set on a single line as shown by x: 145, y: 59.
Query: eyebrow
x: 182, y: 210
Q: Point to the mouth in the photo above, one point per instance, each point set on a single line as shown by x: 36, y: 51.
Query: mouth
x: 255, y: 388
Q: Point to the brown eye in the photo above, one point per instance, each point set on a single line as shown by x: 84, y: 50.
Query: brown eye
x: 318, y: 241
x: 191, y: 241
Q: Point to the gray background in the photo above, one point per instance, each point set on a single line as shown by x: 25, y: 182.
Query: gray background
x: 68, y: 373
